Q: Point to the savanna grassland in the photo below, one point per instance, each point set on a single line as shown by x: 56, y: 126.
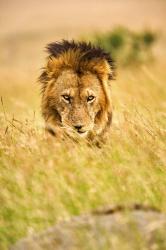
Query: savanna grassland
x: 43, y: 182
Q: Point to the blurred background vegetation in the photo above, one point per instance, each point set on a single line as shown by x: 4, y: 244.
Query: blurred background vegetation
x: 128, y: 47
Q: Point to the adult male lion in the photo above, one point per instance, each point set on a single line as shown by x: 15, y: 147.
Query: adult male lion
x: 76, y: 90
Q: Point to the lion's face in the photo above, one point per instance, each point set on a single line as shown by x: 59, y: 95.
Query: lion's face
x: 77, y: 99
x: 76, y: 96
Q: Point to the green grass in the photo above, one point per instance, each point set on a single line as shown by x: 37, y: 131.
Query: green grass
x: 43, y: 182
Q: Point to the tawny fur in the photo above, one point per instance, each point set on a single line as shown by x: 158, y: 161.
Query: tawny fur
x: 78, y: 71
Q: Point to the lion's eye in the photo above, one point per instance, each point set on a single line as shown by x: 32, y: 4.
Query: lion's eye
x: 67, y: 98
x: 90, y: 98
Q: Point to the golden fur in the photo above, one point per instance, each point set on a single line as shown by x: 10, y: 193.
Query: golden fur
x: 76, y: 90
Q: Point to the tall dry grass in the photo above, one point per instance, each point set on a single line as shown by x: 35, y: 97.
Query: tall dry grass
x: 42, y: 182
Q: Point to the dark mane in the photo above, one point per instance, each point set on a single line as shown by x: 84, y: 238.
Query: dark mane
x: 88, y: 50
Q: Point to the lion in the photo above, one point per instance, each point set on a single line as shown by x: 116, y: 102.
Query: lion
x: 76, y: 99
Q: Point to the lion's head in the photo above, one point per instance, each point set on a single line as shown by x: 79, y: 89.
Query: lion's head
x: 76, y: 89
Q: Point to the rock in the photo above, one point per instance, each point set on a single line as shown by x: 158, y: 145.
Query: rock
x: 115, y: 228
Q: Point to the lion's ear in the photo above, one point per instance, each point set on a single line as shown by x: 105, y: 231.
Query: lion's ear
x: 50, y: 65
x: 102, y: 68
x: 54, y: 66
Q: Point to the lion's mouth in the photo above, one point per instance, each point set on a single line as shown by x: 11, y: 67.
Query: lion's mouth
x: 82, y: 133
x: 72, y: 132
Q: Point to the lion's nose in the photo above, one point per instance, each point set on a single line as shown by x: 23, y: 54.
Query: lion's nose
x: 78, y: 127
